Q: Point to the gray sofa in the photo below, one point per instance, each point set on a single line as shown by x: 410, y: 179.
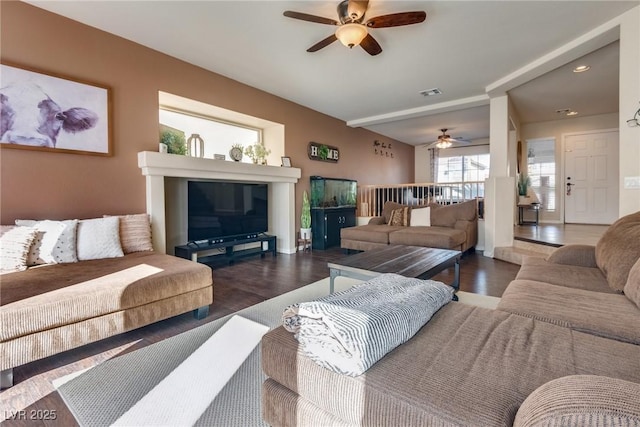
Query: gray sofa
x: 561, y: 349
x: 453, y: 226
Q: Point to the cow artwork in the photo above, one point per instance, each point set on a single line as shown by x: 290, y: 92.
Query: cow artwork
x: 28, y: 116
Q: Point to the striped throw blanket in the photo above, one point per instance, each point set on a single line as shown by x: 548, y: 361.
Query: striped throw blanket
x: 347, y: 332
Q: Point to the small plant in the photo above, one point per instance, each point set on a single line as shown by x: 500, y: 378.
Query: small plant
x: 523, y: 184
x: 257, y: 152
x: 175, y: 142
x: 305, y: 218
x: 238, y: 146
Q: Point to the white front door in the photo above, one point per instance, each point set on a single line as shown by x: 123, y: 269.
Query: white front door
x: 591, y: 178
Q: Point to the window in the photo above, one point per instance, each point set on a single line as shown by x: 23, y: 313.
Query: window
x: 218, y: 135
x: 469, y: 169
x: 541, y: 167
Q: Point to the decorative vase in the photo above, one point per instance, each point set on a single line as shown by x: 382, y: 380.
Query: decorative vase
x: 195, y: 146
x: 163, y: 148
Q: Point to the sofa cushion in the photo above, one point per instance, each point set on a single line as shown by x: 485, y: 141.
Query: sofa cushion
x: 447, y: 215
x: 68, y: 293
x: 618, y: 249
x: 578, y: 255
x: 604, y: 314
x: 14, y: 248
x: 505, y: 358
x: 570, y: 276
x: 421, y: 217
x: 581, y: 400
x: 99, y: 238
x: 388, y: 208
x: 135, y: 233
x: 55, y: 242
x: 400, y: 217
x: 432, y: 237
x: 369, y: 233
x: 632, y: 288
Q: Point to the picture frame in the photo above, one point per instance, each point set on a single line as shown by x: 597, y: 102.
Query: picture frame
x: 49, y: 112
x: 286, y: 161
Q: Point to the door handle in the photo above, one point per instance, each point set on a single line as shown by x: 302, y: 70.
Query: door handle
x: 569, y: 188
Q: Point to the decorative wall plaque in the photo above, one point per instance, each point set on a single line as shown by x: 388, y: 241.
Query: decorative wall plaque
x: 323, y: 152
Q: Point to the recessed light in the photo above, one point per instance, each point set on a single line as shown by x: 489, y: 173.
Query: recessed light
x: 581, y: 68
x: 431, y: 92
x: 572, y: 113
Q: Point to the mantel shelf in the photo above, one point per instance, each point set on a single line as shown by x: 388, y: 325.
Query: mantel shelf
x: 160, y: 164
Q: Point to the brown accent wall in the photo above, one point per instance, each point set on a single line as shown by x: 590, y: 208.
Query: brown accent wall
x: 55, y: 185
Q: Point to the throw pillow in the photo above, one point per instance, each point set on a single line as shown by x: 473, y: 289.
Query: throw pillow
x: 14, y: 248
x: 135, y: 233
x: 618, y: 249
x: 632, y: 288
x: 420, y: 217
x: 54, y: 243
x: 400, y: 217
x: 99, y: 238
x: 388, y: 208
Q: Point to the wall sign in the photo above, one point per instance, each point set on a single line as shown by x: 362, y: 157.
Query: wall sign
x: 323, y: 152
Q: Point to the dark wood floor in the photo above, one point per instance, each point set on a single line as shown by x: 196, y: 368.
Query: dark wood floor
x: 238, y: 286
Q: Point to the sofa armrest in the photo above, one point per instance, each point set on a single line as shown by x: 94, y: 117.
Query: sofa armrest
x: 578, y: 255
x: 377, y: 220
x: 471, y: 230
x: 584, y: 400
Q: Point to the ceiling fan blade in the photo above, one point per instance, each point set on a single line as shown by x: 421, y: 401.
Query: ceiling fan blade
x: 323, y: 43
x: 396, y: 19
x: 310, y: 18
x: 370, y: 45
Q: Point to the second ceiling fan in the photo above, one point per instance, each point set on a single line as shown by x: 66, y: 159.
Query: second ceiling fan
x: 445, y: 141
x: 353, y: 29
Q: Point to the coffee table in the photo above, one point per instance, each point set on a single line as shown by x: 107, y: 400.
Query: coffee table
x: 408, y: 261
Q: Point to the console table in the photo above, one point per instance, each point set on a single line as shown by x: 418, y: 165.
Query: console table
x: 192, y: 249
x: 533, y: 207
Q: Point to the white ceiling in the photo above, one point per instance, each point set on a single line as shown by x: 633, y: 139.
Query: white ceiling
x: 461, y: 48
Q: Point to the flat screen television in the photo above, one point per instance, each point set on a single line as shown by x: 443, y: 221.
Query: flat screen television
x: 222, y: 211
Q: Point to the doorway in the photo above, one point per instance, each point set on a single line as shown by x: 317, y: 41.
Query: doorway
x: 591, y: 177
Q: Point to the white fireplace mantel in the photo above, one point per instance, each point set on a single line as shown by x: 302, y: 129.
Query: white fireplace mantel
x: 158, y: 166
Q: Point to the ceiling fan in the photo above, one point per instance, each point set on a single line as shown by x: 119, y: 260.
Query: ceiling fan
x: 446, y: 141
x: 352, y: 31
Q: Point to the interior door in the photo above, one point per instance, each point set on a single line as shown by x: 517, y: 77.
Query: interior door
x: 591, y: 178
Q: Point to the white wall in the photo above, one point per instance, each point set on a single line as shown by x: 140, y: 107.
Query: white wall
x: 629, y: 103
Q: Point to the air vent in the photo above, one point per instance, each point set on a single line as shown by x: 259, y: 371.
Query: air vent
x: 563, y: 110
x: 431, y: 92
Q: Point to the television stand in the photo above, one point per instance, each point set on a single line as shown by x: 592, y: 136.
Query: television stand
x: 191, y: 250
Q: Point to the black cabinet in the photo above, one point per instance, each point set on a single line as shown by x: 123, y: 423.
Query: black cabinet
x: 326, y: 224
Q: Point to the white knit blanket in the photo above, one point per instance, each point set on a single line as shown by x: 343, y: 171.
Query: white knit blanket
x: 347, y: 332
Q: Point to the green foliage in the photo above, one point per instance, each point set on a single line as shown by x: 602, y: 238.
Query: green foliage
x: 175, y: 142
x: 523, y: 184
x: 323, y: 152
x: 305, y: 218
x: 257, y: 152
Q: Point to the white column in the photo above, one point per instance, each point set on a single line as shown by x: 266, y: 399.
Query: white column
x: 282, y: 216
x: 499, y: 187
x: 155, y: 208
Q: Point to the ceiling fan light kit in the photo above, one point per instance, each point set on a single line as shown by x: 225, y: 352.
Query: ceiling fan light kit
x: 352, y: 31
x: 351, y: 35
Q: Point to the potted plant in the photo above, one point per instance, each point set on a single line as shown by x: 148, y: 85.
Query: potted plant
x: 523, y: 189
x: 258, y: 153
x: 305, y: 218
x: 175, y: 142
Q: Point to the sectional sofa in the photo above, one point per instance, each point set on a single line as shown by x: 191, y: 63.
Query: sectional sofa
x: 58, y: 304
x: 562, y: 348
x: 452, y: 226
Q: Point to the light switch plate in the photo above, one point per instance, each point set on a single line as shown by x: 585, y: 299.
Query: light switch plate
x: 631, y: 182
